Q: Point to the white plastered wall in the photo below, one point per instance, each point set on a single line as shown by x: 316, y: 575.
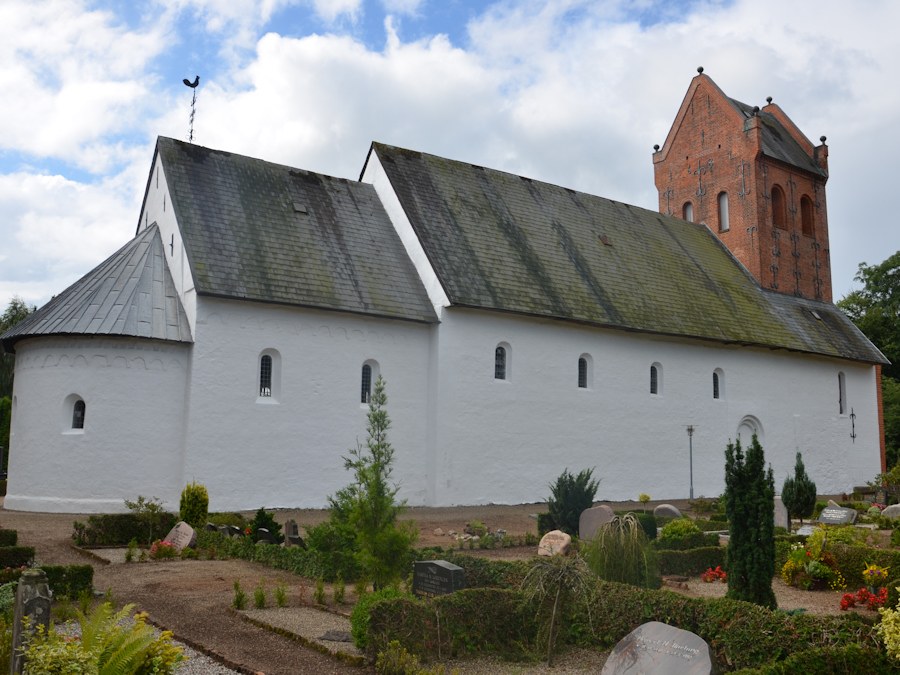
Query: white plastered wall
x: 158, y: 208
x: 251, y: 452
x: 131, y: 443
x: 504, y: 441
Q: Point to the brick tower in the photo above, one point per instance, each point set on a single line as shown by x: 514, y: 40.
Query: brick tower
x: 756, y: 181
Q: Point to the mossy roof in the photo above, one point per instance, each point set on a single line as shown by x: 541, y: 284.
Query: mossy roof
x: 130, y: 294
x: 502, y: 242
x: 260, y: 231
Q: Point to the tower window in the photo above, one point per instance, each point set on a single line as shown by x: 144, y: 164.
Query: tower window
x: 582, y: 373
x: 778, y: 213
x: 806, y: 216
x: 265, y: 376
x: 366, y: 390
x: 723, y: 212
x: 687, y: 212
x: 500, y: 363
x: 78, y: 414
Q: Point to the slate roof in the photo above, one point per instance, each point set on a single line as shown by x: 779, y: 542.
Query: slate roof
x: 260, y: 231
x: 502, y: 242
x: 778, y: 143
x: 130, y: 294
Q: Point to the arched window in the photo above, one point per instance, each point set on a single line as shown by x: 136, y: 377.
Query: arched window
x: 806, y: 216
x: 715, y: 385
x: 366, y: 389
x: 687, y: 212
x: 78, y: 414
x: 842, y: 394
x: 778, y: 213
x: 265, y: 376
x: 655, y: 379
x: 723, y: 212
x: 582, y: 373
x: 500, y: 363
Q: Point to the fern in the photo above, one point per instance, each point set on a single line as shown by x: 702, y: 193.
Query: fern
x: 119, y: 650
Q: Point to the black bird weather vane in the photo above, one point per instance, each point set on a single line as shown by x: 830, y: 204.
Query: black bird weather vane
x: 193, y: 85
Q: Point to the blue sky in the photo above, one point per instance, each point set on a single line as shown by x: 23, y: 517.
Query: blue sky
x: 572, y: 92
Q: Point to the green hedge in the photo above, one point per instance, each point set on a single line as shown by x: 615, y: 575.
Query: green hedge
x: 691, y: 563
x: 849, y: 660
x: 482, y: 572
x: 691, y: 541
x: 718, y: 518
x: 16, y: 556
x: 647, y: 521
x: 851, y: 561
x: 711, y: 525
x: 69, y: 580
x: 740, y: 635
x: 8, y: 538
x: 118, y: 529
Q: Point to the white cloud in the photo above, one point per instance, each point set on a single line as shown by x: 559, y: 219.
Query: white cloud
x: 402, y: 6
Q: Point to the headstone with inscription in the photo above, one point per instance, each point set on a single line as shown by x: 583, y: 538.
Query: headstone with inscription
x: 806, y: 530
x: 838, y: 516
x: 781, y: 515
x: 881, y: 496
x: 892, y: 511
x: 659, y: 649
x: 235, y: 531
x: 290, y: 527
x: 592, y: 520
x: 437, y: 577
x: 182, y: 536
x: 555, y: 542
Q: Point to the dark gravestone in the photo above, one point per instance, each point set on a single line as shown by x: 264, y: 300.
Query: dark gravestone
x: 224, y: 529
x: 659, y: 649
x: 838, y: 516
x: 294, y: 540
x: 290, y: 527
x: 437, y: 577
x: 264, y: 536
x: 235, y: 531
x: 211, y: 528
x: 881, y: 496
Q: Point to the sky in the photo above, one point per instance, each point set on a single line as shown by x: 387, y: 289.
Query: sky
x: 570, y: 92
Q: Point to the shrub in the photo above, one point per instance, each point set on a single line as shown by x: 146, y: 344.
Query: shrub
x: 280, y: 594
x: 259, y: 594
x: 336, y: 542
x: 8, y: 601
x: 750, y: 506
x: 360, y: 618
x: 696, y: 540
x: 150, y: 513
x: 194, y: 505
x: 319, y: 593
x: 337, y: 594
x: 545, y: 524
x: 798, y: 492
x: 692, y: 562
x: 16, y: 556
x: 240, y: 596
x: 681, y: 527
x: 647, y: 521
x: 163, y: 550
x: 620, y: 552
x: 8, y: 538
x: 120, y: 528
x: 69, y: 580
x: 569, y: 497
x: 267, y: 521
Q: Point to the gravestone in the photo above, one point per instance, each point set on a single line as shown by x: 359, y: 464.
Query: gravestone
x: 264, y: 536
x: 667, y: 510
x: 235, y: 531
x: 224, y: 529
x: 555, y: 542
x: 592, y: 520
x: 881, y: 496
x: 182, y: 536
x: 290, y: 527
x: 294, y: 540
x: 806, y: 530
x: 659, y: 649
x: 32, y: 601
x: 892, y: 511
x: 838, y: 516
x: 437, y: 577
x: 781, y: 515
x: 210, y: 527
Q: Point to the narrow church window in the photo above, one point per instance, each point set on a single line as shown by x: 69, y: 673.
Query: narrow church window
x: 687, y: 212
x: 842, y: 394
x: 778, y: 216
x: 500, y: 363
x: 723, y: 212
x: 582, y: 373
x: 654, y: 380
x: 715, y: 385
x: 806, y: 216
x: 366, y: 384
x: 265, y: 376
x: 78, y: 415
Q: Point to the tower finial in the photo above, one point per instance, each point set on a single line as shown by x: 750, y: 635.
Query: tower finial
x: 822, y: 138
x: 700, y: 70
x: 769, y: 100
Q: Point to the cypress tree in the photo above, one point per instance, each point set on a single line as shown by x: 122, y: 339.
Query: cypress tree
x: 799, y: 493
x: 749, y: 506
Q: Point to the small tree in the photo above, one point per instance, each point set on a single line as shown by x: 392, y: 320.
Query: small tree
x: 799, y: 493
x: 369, y: 505
x: 749, y: 506
x: 569, y: 497
x: 194, y: 505
x: 147, y: 511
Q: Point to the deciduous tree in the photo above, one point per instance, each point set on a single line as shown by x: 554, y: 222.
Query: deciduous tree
x: 15, y: 312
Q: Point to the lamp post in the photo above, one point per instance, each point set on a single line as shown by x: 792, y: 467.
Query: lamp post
x: 690, y: 432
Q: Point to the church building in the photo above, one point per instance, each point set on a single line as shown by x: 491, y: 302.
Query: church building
x: 521, y: 328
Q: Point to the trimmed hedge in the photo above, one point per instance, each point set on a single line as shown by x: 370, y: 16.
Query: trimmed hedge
x: 482, y: 572
x: 118, y: 529
x: 691, y: 541
x: 16, y: 556
x: 849, y: 660
x: 647, y: 521
x: 8, y: 538
x: 691, y: 563
x: 851, y: 561
x: 69, y: 580
x: 740, y: 635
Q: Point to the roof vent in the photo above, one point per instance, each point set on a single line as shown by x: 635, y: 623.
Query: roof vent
x: 300, y: 208
x: 605, y: 240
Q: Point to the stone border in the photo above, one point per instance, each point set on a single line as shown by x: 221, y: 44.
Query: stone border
x: 92, y: 555
x: 352, y: 660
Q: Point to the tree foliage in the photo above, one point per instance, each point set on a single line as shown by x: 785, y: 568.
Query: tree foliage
x: 750, y: 507
x: 798, y: 492
x: 569, y: 497
x: 15, y: 312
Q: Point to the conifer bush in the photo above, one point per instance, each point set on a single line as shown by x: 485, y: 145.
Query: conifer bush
x: 194, y: 506
x: 749, y: 505
x: 569, y: 496
x: 798, y: 492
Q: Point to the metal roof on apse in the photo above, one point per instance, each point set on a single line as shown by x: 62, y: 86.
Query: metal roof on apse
x: 130, y: 294
x: 254, y: 230
x: 502, y: 242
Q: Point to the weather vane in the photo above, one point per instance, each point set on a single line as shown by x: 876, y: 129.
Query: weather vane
x: 193, y: 86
